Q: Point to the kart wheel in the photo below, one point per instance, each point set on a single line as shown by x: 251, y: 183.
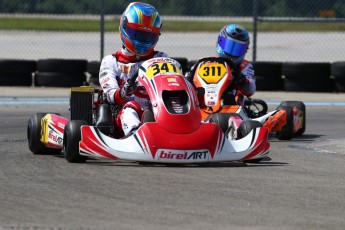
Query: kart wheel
x: 221, y: 120
x: 34, y: 136
x: 245, y: 128
x: 287, y: 131
x: 147, y: 116
x: 72, y: 136
x: 301, y: 107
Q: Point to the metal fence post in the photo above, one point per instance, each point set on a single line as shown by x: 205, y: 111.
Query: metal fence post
x: 255, y: 21
x: 102, y: 29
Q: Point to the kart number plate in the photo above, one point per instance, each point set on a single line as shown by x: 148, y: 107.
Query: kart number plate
x: 161, y: 68
x: 212, y: 72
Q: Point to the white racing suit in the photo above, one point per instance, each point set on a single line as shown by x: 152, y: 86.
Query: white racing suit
x: 114, y: 71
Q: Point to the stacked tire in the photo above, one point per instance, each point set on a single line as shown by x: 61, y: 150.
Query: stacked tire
x: 338, y: 73
x: 183, y: 62
x: 16, y: 72
x: 93, y: 69
x: 307, y: 77
x: 268, y: 76
x: 60, y: 72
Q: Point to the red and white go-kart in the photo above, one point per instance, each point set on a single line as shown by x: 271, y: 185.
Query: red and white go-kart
x: 174, y: 134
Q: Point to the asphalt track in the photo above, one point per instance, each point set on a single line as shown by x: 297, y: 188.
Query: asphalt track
x: 301, y: 185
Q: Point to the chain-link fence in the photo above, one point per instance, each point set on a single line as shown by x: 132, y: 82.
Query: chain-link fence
x: 280, y: 30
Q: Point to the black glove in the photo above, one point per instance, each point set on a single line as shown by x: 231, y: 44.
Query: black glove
x: 190, y: 74
x: 238, y: 76
x: 127, y: 90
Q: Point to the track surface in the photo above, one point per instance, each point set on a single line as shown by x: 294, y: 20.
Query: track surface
x: 301, y: 187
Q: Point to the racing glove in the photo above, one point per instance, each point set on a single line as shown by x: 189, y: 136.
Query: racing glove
x: 127, y: 90
x: 239, y: 77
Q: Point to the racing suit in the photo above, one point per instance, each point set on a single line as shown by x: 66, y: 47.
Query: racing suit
x: 114, y: 71
x: 245, y: 82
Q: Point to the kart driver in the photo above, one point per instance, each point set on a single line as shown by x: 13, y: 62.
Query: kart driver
x: 139, y: 32
x: 232, y: 43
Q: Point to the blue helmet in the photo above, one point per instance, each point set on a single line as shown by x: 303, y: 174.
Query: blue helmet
x: 233, y: 42
x: 140, y: 28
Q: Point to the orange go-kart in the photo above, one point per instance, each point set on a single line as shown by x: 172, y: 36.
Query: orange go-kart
x: 213, y: 77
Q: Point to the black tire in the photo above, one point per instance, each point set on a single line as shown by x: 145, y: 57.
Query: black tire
x: 338, y: 72
x: 72, y: 136
x: 34, y: 136
x: 268, y: 76
x: 16, y: 79
x: 93, y: 67
x: 183, y: 62
x: 67, y: 66
x: 301, y: 84
x: 59, y: 79
x: 221, y: 120
x: 17, y: 66
x: 307, y: 77
x: 245, y: 128
x: 287, y: 131
x: 300, y: 106
x: 306, y: 70
x: 147, y: 116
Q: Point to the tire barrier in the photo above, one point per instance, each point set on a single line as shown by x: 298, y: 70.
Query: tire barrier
x: 338, y: 73
x: 93, y: 69
x: 307, y: 77
x: 183, y: 62
x: 60, y: 72
x: 268, y: 76
x: 16, y: 72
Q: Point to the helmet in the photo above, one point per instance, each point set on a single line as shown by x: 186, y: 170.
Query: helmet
x: 233, y: 42
x: 140, y: 28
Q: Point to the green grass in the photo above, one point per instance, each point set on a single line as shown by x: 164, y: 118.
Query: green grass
x: 86, y: 25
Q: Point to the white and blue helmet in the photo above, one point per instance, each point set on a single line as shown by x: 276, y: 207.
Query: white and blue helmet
x: 233, y: 42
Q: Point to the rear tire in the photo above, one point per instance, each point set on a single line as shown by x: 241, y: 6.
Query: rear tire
x: 72, y: 137
x: 300, y: 106
x: 34, y: 136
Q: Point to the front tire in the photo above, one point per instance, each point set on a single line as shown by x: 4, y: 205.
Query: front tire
x: 72, y: 137
x: 34, y: 136
x: 245, y: 128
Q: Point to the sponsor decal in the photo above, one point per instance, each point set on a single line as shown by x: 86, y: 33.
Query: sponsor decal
x: 180, y: 155
x: 104, y: 80
x: 54, y: 137
x: 145, y: 28
x: 171, y: 79
x: 61, y: 125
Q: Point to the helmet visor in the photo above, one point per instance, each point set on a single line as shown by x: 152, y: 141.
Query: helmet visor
x: 143, y: 36
x: 232, y: 47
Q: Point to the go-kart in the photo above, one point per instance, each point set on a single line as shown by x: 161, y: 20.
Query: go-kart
x: 174, y: 133
x: 213, y: 77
